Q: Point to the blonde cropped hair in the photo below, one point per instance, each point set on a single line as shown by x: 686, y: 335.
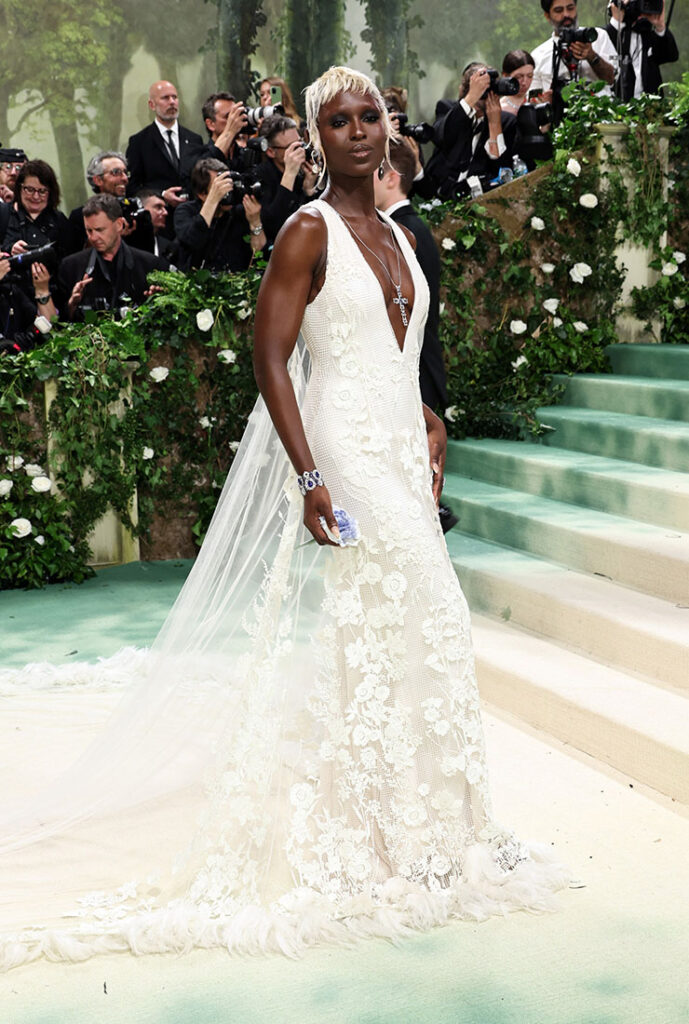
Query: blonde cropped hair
x: 330, y: 84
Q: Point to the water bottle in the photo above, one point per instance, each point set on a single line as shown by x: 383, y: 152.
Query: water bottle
x: 519, y: 168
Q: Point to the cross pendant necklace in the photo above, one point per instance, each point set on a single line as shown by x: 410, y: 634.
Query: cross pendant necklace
x: 401, y: 301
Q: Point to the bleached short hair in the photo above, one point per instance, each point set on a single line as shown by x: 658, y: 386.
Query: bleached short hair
x: 330, y: 84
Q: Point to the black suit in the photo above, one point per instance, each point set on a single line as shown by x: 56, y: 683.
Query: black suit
x: 655, y: 50
x: 150, y: 163
x: 456, y: 153
x: 127, y: 273
x: 432, y: 366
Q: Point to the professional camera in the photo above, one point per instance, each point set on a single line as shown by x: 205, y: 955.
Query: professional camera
x: 131, y: 208
x: 532, y: 143
x: 244, y: 183
x: 24, y: 341
x: 421, y: 133
x: 500, y: 85
x: 636, y: 13
x: 578, y: 35
x: 254, y: 116
x: 25, y: 259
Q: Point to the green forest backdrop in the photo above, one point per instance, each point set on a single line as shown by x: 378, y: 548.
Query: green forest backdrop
x: 75, y: 75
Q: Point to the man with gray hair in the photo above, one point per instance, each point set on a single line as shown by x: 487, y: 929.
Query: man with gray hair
x: 107, y: 174
x: 287, y: 178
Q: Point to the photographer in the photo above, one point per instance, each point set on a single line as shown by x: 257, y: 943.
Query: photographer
x: 109, y: 274
x: 287, y: 178
x: 11, y: 161
x: 560, y: 59
x: 224, y: 119
x: 107, y: 174
x: 35, y: 221
x: 22, y: 325
x: 474, y: 136
x: 639, y: 34
x: 212, y: 228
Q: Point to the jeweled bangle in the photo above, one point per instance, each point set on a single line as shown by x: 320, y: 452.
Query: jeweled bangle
x: 309, y: 481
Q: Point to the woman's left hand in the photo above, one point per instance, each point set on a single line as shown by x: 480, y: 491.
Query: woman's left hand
x: 41, y: 278
x: 437, y: 450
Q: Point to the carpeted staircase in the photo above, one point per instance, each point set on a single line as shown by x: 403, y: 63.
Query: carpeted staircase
x: 574, y: 556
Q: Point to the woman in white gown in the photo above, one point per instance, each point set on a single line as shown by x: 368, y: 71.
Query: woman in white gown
x: 302, y: 759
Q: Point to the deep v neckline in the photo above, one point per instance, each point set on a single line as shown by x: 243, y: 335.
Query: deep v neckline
x: 403, y: 259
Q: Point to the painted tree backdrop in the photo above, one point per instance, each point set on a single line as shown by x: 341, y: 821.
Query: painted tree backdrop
x: 75, y: 74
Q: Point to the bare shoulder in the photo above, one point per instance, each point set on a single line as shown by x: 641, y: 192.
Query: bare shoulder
x: 303, y: 236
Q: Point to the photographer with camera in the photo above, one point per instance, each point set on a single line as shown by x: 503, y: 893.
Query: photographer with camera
x: 22, y: 326
x: 35, y: 222
x: 474, y: 137
x: 288, y: 178
x: 211, y: 229
x: 107, y: 174
x: 571, y: 53
x: 643, y: 42
x: 225, y: 120
x: 109, y: 274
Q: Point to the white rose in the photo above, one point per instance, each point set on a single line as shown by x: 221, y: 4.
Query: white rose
x: 547, y: 268
x: 33, y: 469
x: 204, y: 422
x: 40, y: 539
x: 519, y: 361
x: 159, y: 373
x: 557, y: 322
x: 448, y: 243
x: 234, y: 445
x: 588, y: 200
x: 5, y: 487
x: 678, y: 257
x: 537, y: 224
x: 517, y: 326
x: 147, y: 454
x: 580, y: 326
x: 574, y: 167
x: 204, y: 319
x: 40, y: 484
x: 669, y: 269
x: 14, y: 462
x: 551, y: 305
x: 21, y: 527
x: 227, y: 355
x: 451, y: 413
x: 678, y: 303
x: 242, y: 314
x: 579, y: 271
x: 441, y: 308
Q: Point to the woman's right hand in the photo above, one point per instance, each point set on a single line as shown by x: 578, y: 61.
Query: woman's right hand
x: 317, y: 503
x: 19, y: 246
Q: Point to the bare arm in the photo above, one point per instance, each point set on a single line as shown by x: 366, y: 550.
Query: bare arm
x: 289, y: 282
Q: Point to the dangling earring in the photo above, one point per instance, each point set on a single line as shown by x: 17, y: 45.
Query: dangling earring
x: 381, y: 170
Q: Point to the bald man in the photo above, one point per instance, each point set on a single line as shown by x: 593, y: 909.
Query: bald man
x: 159, y: 153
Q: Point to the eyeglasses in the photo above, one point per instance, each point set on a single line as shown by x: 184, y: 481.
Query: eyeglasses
x: 31, y: 191
x: 11, y: 167
x: 118, y: 173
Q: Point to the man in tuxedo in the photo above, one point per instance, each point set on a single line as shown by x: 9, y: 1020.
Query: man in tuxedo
x: 158, y: 153
x: 392, y: 196
x: 224, y: 119
x: 642, y: 46
x: 474, y: 137
x: 109, y: 274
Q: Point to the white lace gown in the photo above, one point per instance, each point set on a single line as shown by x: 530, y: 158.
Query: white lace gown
x: 342, y: 789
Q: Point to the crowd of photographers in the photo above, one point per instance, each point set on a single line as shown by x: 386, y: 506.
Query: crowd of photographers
x: 175, y: 199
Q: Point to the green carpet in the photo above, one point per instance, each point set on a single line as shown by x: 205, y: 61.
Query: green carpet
x: 616, y: 953
x: 121, y: 606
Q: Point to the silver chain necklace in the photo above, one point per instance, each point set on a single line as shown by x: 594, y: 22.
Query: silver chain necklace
x: 400, y: 301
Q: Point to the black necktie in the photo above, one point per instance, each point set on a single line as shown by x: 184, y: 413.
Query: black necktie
x: 172, y: 150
